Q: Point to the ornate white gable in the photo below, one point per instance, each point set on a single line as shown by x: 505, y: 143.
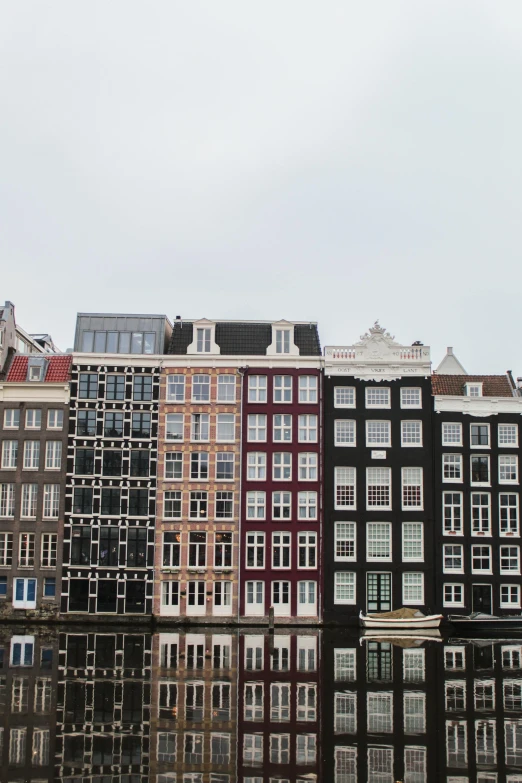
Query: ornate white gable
x: 377, y: 356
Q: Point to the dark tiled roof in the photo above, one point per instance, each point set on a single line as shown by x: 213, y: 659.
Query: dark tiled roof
x: 58, y: 369
x: 245, y: 339
x: 492, y: 385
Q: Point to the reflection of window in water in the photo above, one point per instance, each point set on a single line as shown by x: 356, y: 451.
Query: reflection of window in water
x: 220, y: 701
x: 169, y: 648
x: 414, y: 713
x: 254, y: 653
x: 254, y: 701
x: 76, y: 651
x: 306, y: 749
x: 380, y: 764
x: 168, y: 700
x: 484, y: 694
x: 194, y: 701
x: 220, y: 748
x: 280, y: 655
x: 455, y: 659
x: 513, y: 739
x: 456, y: 743
x: 345, y: 713
x: 280, y: 702
x: 195, y: 652
x: 133, y: 649
x: 485, y: 741
x: 345, y: 665
x: 105, y: 647
x: 380, y: 712
x: 379, y: 662
x: 166, y: 750
x: 221, y: 647
x: 511, y: 656
x: 74, y: 701
x: 413, y: 665
x: 455, y: 695
x: 483, y: 657
x: 193, y: 748
x: 416, y: 764
x: 306, y: 702
x: 345, y: 765
x: 512, y: 694
x: 306, y: 653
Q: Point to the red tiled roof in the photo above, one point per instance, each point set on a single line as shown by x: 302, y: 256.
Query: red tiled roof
x: 58, y: 369
x: 492, y: 385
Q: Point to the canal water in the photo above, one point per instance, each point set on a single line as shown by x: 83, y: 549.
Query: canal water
x: 217, y: 705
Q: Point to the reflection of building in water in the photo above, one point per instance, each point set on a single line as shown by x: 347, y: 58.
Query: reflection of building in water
x: 279, y: 707
x: 103, y: 709
x: 28, y: 666
x: 383, y: 723
x: 482, y: 704
x: 194, y: 714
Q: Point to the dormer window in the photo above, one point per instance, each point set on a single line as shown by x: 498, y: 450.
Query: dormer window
x: 36, y: 369
x: 203, y: 339
x: 473, y: 390
x: 282, y: 340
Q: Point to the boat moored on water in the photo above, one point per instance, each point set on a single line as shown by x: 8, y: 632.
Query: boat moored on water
x: 479, y: 622
x: 400, y: 619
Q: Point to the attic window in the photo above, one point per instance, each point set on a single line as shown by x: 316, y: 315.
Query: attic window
x: 203, y: 340
x: 36, y: 369
x: 282, y: 340
x: 35, y: 373
x: 473, y: 390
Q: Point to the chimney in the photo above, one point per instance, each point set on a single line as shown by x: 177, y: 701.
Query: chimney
x: 449, y: 351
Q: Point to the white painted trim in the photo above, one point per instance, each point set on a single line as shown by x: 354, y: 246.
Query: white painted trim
x: 204, y: 323
x: 35, y: 392
x: 478, y: 406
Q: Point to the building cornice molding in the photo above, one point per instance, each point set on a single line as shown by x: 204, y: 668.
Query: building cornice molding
x: 28, y: 391
x: 478, y: 406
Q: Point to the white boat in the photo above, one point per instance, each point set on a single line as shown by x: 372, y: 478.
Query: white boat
x: 404, y: 618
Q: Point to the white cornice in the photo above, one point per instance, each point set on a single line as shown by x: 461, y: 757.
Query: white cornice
x: 478, y: 406
x: 34, y: 392
x: 195, y: 360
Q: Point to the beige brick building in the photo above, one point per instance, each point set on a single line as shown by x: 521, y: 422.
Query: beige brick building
x: 197, y: 530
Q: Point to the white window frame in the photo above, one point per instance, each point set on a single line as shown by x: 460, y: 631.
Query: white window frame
x: 456, y: 527
x: 256, y: 428
x: 255, y: 544
x: 479, y: 445
x: 374, y: 541
x: 226, y: 388
x: 174, y: 424
x: 225, y: 420
x: 346, y: 392
x: 480, y: 513
x: 200, y: 386
x: 175, y: 390
x: 256, y: 500
x: 378, y: 433
x: 282, y: 466
x: 282, y: 505
x: 345, y: 488
x: 455, y: 428
x: 308, y: 462
x: 509, y: 553
x: 254, y: 588
x: 345, y: 539
x: 256, y: 466
x: 200, y: 427
x: 474, y: 569
x: 29, y: 498
x: 33, y: 419
x: 503, y: 461
x: 225, y: 457
x: 452, y: 589
x: 308, y: 389
x: 479, y: 483
x: 419, y: 540
x: 408, y: 395
x: 307, y: 508
x: 408, y: 586
x: 345, y: 433
x: 53, y: 455
x: 172, y: 496
x: 49, y: 550
x: 308, y: 428
x: 11, y: 420
x: 412, y: 438
x: 504, y: 441
x: 7, y: 500
x: 454, y: 460
x: 283, y: 389
x: 411, y: 478
x: 381, y: 397
x: 307, y: 545
x: 345, y: 579
x: 282, y: 548
x: 282, y: 432
x: 173, y: 459
x: 257, y: 388
x: 51, y: 501
x: 473, y: 389
x: 31, y: 455
x: 10, y: 454
x: 512, y: 599
x: 384, y: 476
x: 452, y: 570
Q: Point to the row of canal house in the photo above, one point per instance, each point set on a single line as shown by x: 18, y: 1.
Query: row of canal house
x: 214, y: 470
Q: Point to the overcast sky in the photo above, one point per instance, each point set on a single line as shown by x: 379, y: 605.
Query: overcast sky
x: 328, y: 161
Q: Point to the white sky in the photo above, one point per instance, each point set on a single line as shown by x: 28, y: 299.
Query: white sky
x: 328, y: 161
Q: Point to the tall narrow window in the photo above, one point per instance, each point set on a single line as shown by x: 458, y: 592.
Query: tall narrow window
x: 412, y: 494
x: 379, y: 488
x: 345, y: 488
x: 10, y: 454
